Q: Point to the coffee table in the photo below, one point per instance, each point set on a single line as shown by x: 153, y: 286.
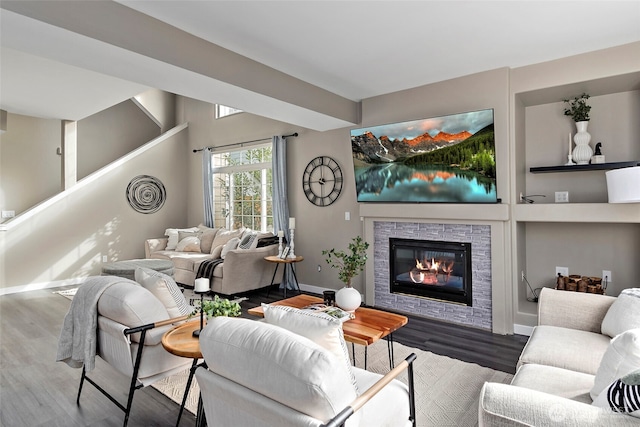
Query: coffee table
x: 368, y: 326
x: 181, y: 342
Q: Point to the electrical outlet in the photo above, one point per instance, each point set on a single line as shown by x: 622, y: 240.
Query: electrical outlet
x: 562, y: 197
x: 606, y: 275
x: 8, y: 214
x: 104, y: 258
x: 347, y: 216
x: 562, y: 270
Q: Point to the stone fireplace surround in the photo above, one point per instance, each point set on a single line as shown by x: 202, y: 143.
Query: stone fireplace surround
x: 480, y: 314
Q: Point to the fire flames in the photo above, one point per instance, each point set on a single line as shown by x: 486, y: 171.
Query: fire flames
x: 426, y: 271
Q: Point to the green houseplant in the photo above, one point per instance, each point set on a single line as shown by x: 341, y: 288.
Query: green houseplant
x: 349, y: 264
x: 220, y: 307
x: 578, y: 108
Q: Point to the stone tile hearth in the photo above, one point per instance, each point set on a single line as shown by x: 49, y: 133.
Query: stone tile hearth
x: 479, y: 314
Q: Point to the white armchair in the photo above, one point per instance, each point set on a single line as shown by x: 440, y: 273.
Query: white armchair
x: 260, y: 374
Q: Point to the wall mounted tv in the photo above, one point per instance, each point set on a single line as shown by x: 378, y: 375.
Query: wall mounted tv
x: 448, y: 159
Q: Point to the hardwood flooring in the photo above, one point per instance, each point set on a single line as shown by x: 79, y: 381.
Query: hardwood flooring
x: 37, y: 391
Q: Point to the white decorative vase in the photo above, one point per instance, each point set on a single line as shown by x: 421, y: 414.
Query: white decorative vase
x: 583, y: 152
x: 348, y: 299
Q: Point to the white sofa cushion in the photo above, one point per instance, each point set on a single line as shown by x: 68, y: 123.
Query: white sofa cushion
x: 622, y: 395
x: 624, y: 313
x: 320, y: 328
x: 165, y: 289
x: 229, y: 246
x: 557, y: 381
x: 223, y: 236
x: 621, y: 358
x: 284, y: 366
x: 564, y: 348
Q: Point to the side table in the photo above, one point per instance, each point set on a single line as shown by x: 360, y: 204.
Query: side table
x: 288, y: 263
x: 181, y: 342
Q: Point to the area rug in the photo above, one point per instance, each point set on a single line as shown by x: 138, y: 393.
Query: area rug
x: 447, y: 389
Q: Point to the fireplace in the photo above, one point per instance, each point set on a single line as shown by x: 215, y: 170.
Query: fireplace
x: 437, y: 270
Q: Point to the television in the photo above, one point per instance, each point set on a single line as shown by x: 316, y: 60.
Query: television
x: 448, y: 159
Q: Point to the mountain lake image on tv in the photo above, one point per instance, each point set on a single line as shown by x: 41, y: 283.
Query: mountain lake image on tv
x: 448, y: 159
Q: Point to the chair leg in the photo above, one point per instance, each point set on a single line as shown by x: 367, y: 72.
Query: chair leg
x: 84, y: 373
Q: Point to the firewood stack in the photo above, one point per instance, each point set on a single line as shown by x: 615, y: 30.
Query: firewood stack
x: 577, y: 283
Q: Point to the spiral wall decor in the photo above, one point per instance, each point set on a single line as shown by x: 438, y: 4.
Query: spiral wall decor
x: 146, y: 194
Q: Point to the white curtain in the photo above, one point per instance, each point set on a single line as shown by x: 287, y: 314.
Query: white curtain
x: 207, y: 187
x: 280, y: 203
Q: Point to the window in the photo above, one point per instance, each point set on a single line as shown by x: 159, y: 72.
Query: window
x: 224, y: 111
x: 242, y: 191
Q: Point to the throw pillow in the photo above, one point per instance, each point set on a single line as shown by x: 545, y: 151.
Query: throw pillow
x: 247, y: 240
x: 223, y: 236
x: 165, y: 289
x: 206, y: 238
x: 320, y: 328
x: 623, y: 395
x: 189, y: 244
x: 172, y: 234
x: 621, y: 358
x: 216, y: 253
x: 624, y: 313
x: 261, y: 237
x: 230, y: 245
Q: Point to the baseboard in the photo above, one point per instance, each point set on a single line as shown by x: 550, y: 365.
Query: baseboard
x: 43, y: 285
x: 522, y: 330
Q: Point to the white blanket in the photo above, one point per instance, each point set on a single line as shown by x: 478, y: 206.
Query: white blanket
x: 78, y: 338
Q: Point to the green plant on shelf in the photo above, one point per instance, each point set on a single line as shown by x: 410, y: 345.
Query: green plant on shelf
x: 578, y: 108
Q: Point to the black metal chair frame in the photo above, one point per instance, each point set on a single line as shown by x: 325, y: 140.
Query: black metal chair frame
x: 134, y: 377
x: 340, y: 419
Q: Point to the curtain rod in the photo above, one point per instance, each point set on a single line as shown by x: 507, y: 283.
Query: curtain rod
x: 295, y: 134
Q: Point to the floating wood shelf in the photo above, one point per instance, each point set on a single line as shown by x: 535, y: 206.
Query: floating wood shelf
x: 578, y: 168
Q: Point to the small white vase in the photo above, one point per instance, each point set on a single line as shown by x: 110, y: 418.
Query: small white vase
x: 348, y: 299
x: 582, y: 152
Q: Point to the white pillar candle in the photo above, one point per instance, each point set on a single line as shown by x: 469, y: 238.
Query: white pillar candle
x: 202, y: 285
x: 570, y: 143
x: 292, y: 223
x: 280, y: 233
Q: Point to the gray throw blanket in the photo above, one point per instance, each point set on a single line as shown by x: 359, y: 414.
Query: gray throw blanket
x: 78, y: 338
x: 206, y: 268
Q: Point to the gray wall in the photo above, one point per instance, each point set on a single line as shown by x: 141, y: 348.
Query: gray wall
x: 29, y: 166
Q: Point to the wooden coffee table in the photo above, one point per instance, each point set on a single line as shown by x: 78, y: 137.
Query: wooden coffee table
x: 368, y: 327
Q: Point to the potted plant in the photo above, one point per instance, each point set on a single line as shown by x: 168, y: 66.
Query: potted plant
x: 579, y: 112
x: 221, y: 307
x: 578, y: 108
x: 349, y: 264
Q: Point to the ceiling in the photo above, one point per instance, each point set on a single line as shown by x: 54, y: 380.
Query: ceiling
x: 308, y: 63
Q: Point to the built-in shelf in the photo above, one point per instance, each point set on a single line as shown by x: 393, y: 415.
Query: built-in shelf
x: 578, y: 212
x: 578, y: 168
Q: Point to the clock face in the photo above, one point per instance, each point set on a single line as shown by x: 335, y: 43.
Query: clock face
x: 322, y: 181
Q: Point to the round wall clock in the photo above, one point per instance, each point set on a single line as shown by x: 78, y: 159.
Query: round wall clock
x: 322, y: 181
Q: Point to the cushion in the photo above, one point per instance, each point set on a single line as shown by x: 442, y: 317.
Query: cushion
x: 624, y: 313
x: 278, y: 363
x: 206, y: 238
x: 556, y: 381
x: 621, y: 358
x: 559, y: 347
x: 173, y: 240
x: 165, y: 289
x: 320, y: 328
x: 229, y: 246
x: 247, y: 240
x: 216, y: 252
x: 223, y: 236
x: 189, y: 244
x: 131, y: 305
x: 623, y: 395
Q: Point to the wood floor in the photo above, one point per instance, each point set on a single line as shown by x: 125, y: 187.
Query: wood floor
x: 37, y: 391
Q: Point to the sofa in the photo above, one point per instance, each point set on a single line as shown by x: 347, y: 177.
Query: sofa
x: 583, y: 345
x: 242, y: 252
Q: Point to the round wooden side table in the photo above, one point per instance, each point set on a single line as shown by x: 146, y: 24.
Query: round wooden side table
x: 288, y: 263
x: 181, y: 342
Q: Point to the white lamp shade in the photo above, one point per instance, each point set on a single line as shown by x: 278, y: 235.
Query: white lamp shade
x: 623, y: 185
